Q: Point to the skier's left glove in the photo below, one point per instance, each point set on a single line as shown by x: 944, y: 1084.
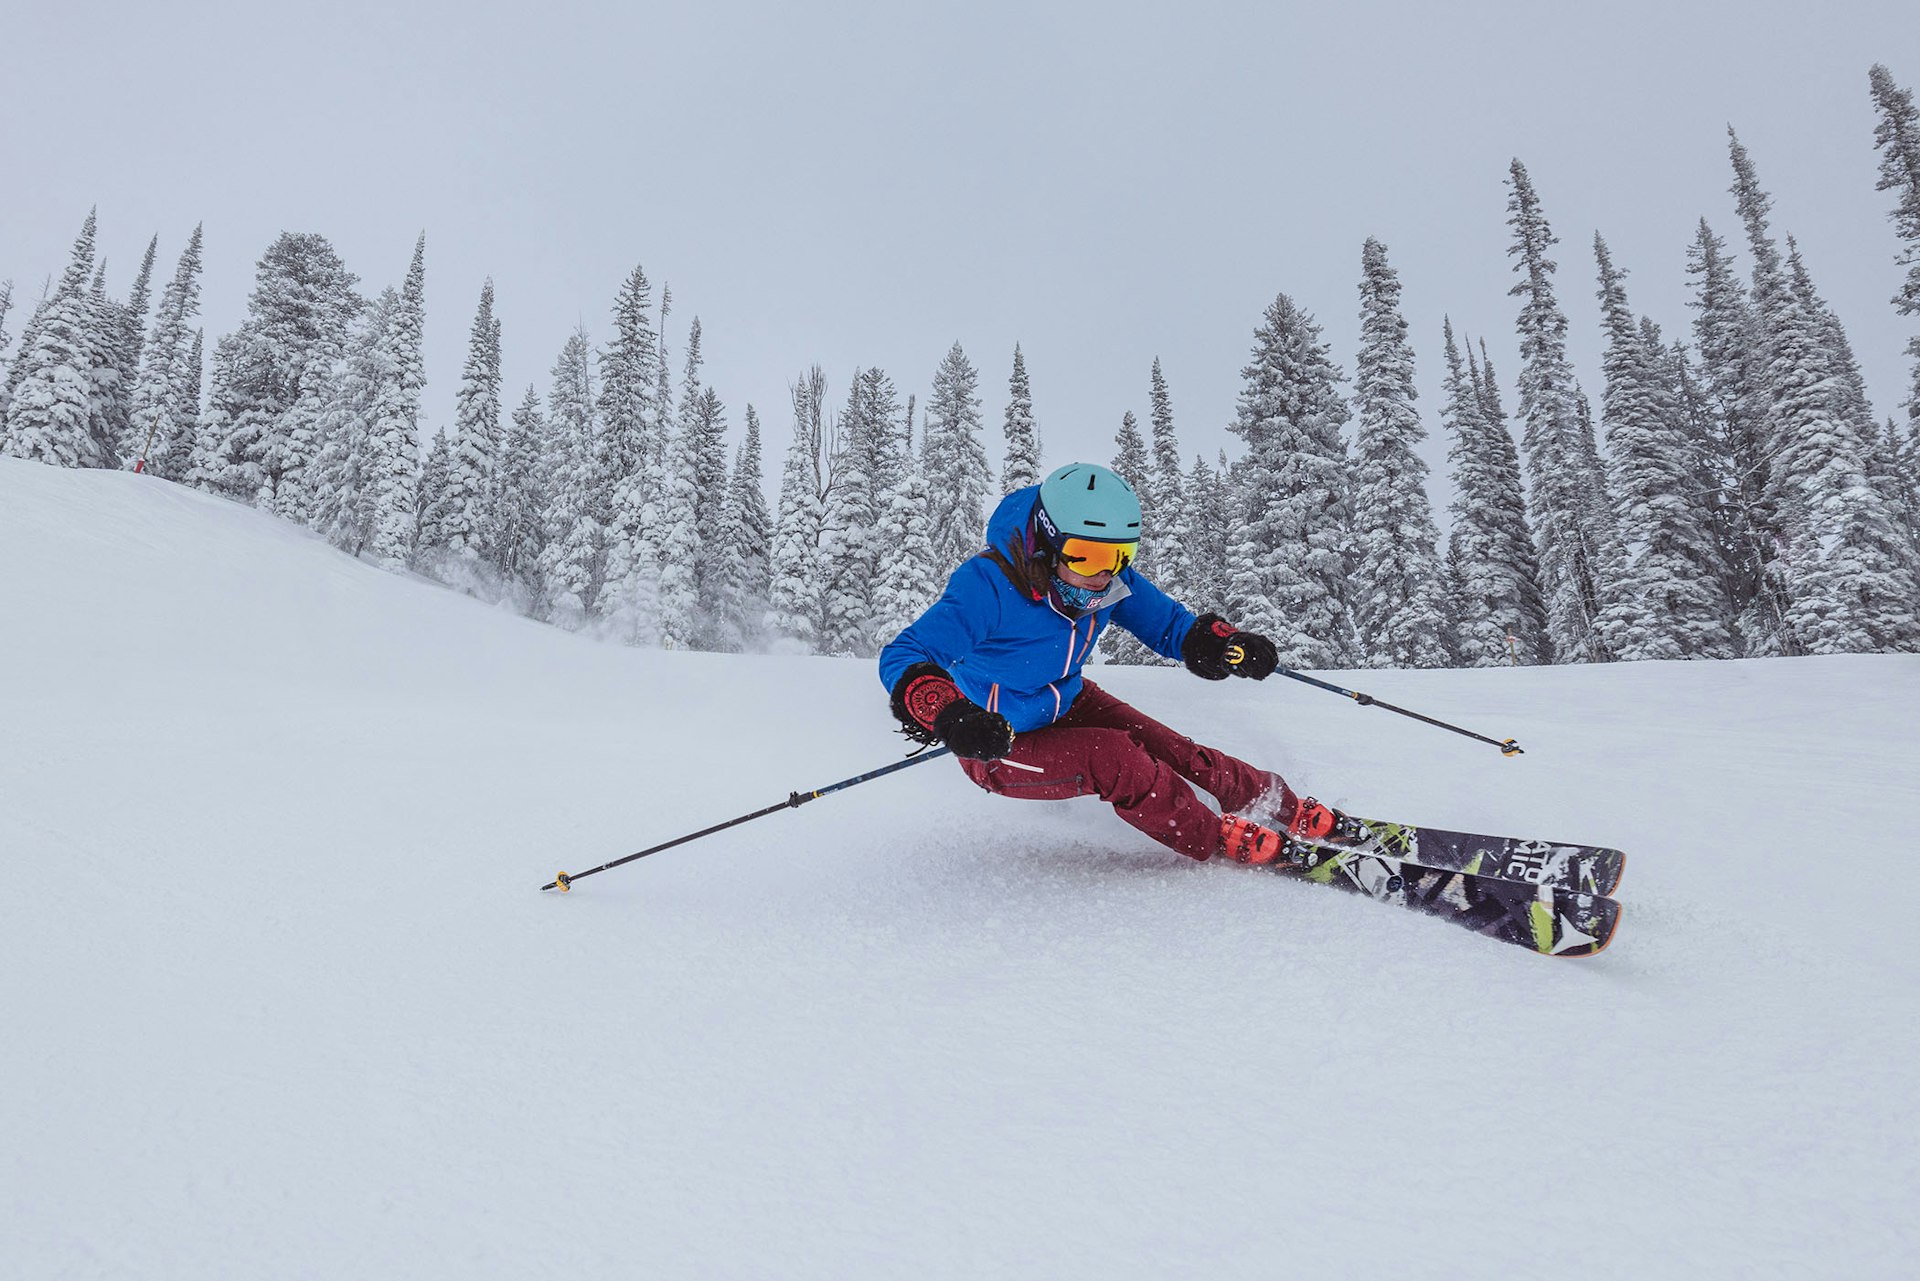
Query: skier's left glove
x: 931, y: 709
x: 1215, y: 649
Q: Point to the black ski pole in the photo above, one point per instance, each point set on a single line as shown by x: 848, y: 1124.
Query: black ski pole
x: 1507, y: 746
x: 563, y: 881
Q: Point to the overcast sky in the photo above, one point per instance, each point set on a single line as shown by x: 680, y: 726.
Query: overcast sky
x: 862, y: 184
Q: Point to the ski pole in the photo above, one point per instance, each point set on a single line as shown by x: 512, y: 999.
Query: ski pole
x: 1507, y: 746
x: 564, y: 881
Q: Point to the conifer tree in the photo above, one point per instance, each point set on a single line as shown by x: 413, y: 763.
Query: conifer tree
x: 298, y: 317
x: 1668, y: 606
x: 107, y: 383
x: 1161, y: 498
x: 342, y: 507
x: 1494, y: 575
x: 1844, y: 591
x: 797, y: 588
x: 1398, y: 595
x: 159, y: 438
x: 393, y: 443
x: 1290, y: 553
x: 633, y: 411
x: 433, y: 502
x: 133, y: 336
x: 1205, y: 532
x: 513, y: 539
x: 571, y: 564
x: 1023, y: 434
x: 955, y: 461
x: 1900, y: 543
x: 690, y: 506
x: 1134, y: 465
x: 1897, y: 138
x: 865, y: 473
x: 1575, y: 538
x: 899, y: 597
x: 50, y: 409
x: 743, y: 569
x: 472, y: 467
x: 1734, y: 391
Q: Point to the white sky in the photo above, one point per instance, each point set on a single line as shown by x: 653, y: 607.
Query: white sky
x: 859, y: 184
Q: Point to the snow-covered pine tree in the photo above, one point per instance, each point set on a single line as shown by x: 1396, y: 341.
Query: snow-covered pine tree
x: 158, y: 440
x: 1161, y: 499
x: 899, y: 598
x: 797, y: 588
x: 1571, y: 522
x: 1206, y: 530
x: 16, y: 365
x: 1897, y: 138
x: 1023, y: 433
x: 1733, y: 386
x: 1398, y: 595
x: 393, y: 443
x: 108, y: 385
x: 133, y: 337
x: 49, y: 414
x: 690, y: 507
x: 1289, y: 553
x: 6, y: 362
x: 1669, y: 605
x: 342, y: 508
x: 298, y: 317
x: 1852, y: 404
x: 1845, y: 595
x: 476, y: 439
x: 513, y: 537
x: 432, y: 502
x: 865, y: 473
x: 1133, y: 464
x: 742, y: 569
x: 955, y: 462
x: 573, y: 550
x: 1494, y: 570
x: 128, y: 341
x: 633, y: 405
x: 189, y: 375
x: 1699, y: 426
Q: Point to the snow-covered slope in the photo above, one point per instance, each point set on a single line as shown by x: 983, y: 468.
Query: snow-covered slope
x: 279, y: 996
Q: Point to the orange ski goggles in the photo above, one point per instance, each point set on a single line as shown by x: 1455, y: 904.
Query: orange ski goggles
x: 1088, y: 557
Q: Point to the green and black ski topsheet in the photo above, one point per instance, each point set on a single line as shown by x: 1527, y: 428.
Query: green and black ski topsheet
x: 1588, y: 869
x: 1543, y: 918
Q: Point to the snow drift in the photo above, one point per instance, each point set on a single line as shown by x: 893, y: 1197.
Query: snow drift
x: 280, y: 995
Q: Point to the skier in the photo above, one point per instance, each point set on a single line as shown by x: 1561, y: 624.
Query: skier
x: 992, y: 670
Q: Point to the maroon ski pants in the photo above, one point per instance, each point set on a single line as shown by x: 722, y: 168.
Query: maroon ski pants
x: 1102, y: 747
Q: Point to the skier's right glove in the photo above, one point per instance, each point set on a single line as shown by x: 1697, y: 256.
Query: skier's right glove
x: 931, y: 709
x: 1215, y: 649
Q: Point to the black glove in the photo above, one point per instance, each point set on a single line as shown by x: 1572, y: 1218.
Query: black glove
x: 931, y: 709
x: 1215, y: 650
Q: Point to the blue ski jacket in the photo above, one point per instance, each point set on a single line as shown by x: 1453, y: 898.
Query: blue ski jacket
x: 1018, y: 655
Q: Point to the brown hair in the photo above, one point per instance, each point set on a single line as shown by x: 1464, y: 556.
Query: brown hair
x: 1032, y: 574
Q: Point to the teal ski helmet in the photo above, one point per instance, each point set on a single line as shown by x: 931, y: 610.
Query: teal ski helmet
x: 1085, y: 502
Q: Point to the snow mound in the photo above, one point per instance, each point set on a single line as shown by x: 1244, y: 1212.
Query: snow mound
x: 282, y: 998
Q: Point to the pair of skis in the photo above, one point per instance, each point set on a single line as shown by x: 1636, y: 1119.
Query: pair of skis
x: 1551, y: 897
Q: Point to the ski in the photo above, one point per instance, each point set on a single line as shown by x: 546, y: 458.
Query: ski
x: 1543, y: 918
x: 1587, y: 869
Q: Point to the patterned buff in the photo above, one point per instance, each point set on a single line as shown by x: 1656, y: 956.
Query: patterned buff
x: 1075, y: 597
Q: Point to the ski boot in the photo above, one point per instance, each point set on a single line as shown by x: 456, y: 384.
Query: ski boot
x: 1245, y: 841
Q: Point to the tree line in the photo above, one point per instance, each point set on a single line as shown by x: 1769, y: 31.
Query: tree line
x: 1731, y: 492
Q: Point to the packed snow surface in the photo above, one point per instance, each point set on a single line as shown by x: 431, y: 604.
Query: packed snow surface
x: 281, y: 997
